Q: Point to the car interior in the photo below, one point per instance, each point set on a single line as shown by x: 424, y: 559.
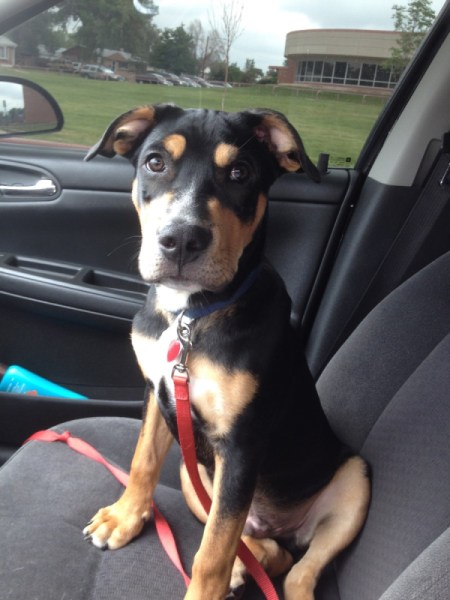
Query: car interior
x: 365, y: 255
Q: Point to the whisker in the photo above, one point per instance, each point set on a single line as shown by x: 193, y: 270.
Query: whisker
x: 127, y: 242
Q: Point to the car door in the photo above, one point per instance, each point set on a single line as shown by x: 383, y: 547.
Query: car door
x: 69, y: 284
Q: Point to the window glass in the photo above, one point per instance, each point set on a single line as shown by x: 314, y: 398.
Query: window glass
x: 382, y: 77
x: 318, y: 67
x: 353, y: 72
x: 368, y: 74
x: 329, y: 74
x: 340, y: 69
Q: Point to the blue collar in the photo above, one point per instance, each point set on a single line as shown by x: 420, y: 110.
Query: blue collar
x: 204, y: 311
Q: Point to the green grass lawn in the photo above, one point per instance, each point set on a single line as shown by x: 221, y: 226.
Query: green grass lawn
x: 331, y: 123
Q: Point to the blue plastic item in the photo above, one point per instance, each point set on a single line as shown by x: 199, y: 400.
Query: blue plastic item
x: 17, y: 380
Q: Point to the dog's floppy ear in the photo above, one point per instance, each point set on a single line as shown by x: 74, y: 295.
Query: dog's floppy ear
x: 282, y: 139
x: 126, y: 133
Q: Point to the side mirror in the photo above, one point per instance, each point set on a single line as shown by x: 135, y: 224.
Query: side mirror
x: 26, y: 108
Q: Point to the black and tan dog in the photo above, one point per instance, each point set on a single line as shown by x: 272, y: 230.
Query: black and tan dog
x: 276, y: 473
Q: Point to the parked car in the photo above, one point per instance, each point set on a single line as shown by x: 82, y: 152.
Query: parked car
x: 200, y: 80
x: 62, y: 65
x: 152, y: 77
x: 189, y: 81
x: 219, y: 84
x: 365, y: 255
x: 175, y: 79
x: 99, y: 72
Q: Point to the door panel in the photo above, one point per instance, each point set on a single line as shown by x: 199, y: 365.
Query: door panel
x: 90, y: 222
x: 69, y: 284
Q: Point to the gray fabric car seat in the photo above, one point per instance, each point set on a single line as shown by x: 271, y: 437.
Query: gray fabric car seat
x: 387, y: 394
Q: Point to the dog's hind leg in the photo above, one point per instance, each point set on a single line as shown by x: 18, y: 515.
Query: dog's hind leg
x: 333, y: 522
x: 274, y: 559
x: 190, y: 494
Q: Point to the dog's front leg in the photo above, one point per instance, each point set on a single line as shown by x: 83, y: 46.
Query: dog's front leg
x: 114, y: 526
x: 211, y: 571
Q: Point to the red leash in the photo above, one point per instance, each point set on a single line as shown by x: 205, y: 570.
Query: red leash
x: 180, y: 377
x: 187, y: 444
x: 165, y: 534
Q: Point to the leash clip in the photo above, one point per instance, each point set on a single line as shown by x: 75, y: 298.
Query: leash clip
x: 184, y: 337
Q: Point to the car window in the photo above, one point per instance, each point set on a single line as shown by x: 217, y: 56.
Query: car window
x: 329, y: 70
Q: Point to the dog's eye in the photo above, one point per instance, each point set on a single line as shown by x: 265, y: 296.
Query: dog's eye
x: 239, y: 172
x: 155, y: 163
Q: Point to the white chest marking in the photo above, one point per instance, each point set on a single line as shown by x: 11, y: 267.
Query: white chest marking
x: 152, y: 357
x: 218, y: 394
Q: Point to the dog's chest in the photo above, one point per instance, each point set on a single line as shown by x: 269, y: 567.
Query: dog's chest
x: 157, y: 359
x: 152, y: 355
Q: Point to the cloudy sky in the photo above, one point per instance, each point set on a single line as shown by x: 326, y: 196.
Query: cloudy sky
x: 266, y: 23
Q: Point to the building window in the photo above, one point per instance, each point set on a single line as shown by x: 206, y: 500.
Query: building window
x: 327, y: 72
x: 353, y: 72
x: 345, y: 73
x: 382, y: 77
x: 3, y: 52
x: 340, y: 69
x: 318, y: 67
x: 309, y: 70
x: 368, y: 74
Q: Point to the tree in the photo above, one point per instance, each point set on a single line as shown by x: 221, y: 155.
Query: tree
x: 175, y: 51
x: 225, y: 32
x: 217, y: 72
x: 112, y: 24
x: 412, y: 21
x: 251, y: 73
x: 271, y: 76
x: 206, y: 47
x: 37, y: 31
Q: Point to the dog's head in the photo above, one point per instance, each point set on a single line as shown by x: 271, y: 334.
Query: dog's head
x: 201, y: 186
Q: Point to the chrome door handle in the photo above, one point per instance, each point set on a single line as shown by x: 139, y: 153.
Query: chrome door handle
x: 42, y: 187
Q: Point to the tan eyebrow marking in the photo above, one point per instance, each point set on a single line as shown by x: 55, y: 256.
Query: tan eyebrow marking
x: 175, y: 144
x: 224, y: 154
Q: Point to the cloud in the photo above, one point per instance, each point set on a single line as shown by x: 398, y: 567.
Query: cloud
x: 266, y: 24
x: 346, y: 14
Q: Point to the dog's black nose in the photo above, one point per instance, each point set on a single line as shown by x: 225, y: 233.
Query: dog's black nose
x: 182, y: 243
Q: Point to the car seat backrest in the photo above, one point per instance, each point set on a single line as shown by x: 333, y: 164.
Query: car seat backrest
x: 386, y: 393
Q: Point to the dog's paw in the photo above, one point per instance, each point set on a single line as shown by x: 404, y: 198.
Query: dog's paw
x: 238, y: 580
x: 114, y: 526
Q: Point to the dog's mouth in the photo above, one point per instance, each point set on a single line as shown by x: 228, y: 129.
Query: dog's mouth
x: 208, y: 272
x: 191, y: 278
x: 193, y: 285
x: 181, y: 283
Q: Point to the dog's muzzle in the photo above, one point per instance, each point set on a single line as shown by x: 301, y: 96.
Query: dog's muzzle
x: 183, y: 243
